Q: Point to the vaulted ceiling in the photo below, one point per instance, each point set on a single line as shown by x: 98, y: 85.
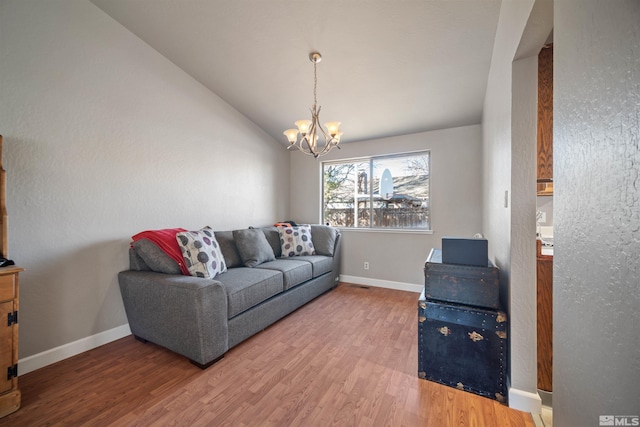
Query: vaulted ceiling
x: 390, y: 67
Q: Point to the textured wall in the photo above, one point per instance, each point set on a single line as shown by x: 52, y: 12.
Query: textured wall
x: 596, y: 210
x: 104, y: 137
x: 456, y: 200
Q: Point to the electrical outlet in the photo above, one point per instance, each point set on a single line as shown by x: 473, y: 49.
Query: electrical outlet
x: 366, y: 265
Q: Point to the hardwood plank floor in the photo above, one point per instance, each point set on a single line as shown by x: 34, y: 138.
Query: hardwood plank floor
x: 348, y: 358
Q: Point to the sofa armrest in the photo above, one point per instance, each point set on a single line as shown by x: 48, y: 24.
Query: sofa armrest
x: 185, y: 314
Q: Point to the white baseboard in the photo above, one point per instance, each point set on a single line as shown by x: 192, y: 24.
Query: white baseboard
x: 40, y: 360
x: 381, y: 283
x: 525, y: 401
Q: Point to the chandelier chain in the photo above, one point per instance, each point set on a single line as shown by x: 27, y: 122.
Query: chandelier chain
x: 315, y: 83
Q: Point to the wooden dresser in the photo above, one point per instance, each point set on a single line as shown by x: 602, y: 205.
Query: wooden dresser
x: 9, y: 393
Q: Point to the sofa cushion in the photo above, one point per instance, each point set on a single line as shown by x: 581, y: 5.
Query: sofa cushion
x: 273, y: 237
x: 253, y: 247
x: 155, y: 258
x: 201, y: 253
x: 324, y: 239
x: 228, y: 248
x: 247, y: 287
x: 321, y: 264
x: 293, y: 271
x: 296, y: 241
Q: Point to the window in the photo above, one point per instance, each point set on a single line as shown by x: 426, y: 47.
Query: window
x: 385, y: 192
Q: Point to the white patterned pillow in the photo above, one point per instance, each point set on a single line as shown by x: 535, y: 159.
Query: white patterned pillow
x: 201, y: 253
x: 296, y: 241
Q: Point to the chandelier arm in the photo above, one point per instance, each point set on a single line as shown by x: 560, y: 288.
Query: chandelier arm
x: 327, y: 142
x: 309, y: 151
x: 298, y: 146
x: 311, y: 136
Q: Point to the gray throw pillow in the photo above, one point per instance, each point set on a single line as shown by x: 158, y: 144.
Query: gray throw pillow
x: 155, y: 257
x: 136, y: 262
x: 273, y: 237
x: 253, y: 247
x: 228, y: 248
x: 324, y: 239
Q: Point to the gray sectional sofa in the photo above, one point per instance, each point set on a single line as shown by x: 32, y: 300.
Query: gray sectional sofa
x: 202, y: 318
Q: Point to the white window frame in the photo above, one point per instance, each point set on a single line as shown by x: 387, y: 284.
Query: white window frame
x: 370, y: 184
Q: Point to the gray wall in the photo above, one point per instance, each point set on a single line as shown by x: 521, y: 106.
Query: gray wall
x: 508, y: 166
x: 103, y: 138
x: 522, y: 302
x: 456, y: 203
x: 596, y: 211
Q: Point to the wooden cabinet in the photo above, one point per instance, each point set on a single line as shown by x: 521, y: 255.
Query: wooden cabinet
x: 544, y: 264
x: 544, y: 279
x: 545, y: 114
x: 9, y: 393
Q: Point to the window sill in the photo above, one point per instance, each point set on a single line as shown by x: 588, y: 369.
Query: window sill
x: 384, y: 230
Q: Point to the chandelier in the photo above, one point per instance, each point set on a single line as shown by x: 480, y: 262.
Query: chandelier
x: 311, y: 130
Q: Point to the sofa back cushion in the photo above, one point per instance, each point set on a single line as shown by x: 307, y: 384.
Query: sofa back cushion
x: 324, y: 239
x: 253, y: 246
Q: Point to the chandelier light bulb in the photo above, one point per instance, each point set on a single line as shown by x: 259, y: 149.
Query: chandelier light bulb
x: 291, y: 134
x: 333, y: 128
x: 303, y: 126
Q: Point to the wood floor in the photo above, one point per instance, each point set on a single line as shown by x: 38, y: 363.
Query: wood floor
x: 348, y: 358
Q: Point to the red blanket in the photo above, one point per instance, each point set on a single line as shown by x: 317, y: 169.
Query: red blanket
x: 166, y: 240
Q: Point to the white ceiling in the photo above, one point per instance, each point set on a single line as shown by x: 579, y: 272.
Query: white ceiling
x: 390, y: 67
